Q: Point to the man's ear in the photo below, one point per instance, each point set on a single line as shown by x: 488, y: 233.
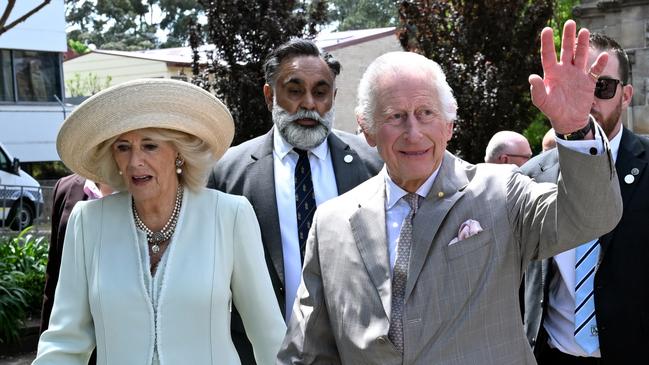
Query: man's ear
x: 268, y: 96
x: 627, y: 95
x: 369, y: 137
x: 449, y: 130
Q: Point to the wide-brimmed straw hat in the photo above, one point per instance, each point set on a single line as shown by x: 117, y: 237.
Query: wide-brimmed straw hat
x: 146, y: 103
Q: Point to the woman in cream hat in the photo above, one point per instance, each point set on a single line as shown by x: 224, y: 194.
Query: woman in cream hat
x: 149, y: 275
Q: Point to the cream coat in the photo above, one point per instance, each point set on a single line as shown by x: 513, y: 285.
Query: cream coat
x: 215, y: 258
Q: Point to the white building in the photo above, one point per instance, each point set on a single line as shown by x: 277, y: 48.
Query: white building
x: 31, y: 81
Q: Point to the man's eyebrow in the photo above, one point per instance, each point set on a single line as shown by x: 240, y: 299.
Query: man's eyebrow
x: 294, y: 80
x: 299, y: 81
x: 322, y: 83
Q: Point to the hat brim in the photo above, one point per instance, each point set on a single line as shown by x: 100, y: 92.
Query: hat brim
x: 145, y: 103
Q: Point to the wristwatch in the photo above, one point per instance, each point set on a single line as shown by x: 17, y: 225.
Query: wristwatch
x: 579, y: 134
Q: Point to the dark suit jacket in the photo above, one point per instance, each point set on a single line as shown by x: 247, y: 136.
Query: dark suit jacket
x: 67, y: 192
x: 622, y: 277
x: 247, y: 170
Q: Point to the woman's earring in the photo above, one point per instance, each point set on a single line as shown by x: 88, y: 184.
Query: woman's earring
x: 179, y: 163
x: 120, y: 172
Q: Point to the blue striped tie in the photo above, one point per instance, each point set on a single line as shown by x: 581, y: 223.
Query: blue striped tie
x: 304, y: 198
x: 586, y: 257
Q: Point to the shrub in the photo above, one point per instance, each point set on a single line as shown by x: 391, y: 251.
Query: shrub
x: 12, y: 308
x: 22, y: 278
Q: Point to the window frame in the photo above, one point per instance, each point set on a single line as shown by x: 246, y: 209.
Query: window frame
x: 14, y: 97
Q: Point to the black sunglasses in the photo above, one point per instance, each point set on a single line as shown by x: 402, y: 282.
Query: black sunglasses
x: 605, y: 88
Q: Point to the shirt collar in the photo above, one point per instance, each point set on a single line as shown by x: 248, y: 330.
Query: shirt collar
x: 92, y: 190
x: 283, y: 148
x: 615, y: 144
x: 393, y: 192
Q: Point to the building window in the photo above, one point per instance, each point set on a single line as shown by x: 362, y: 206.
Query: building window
x: 37, y: 76
x: 6, y: 77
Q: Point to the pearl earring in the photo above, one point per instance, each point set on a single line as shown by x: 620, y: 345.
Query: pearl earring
x: 120, y: 172
x: 179, y: 163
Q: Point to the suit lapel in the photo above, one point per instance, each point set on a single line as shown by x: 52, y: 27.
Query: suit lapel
x: 263, y: 198
x: 372, y: 242
x: 628, y: 159
x: 445, y: 192
x: 346, y: 169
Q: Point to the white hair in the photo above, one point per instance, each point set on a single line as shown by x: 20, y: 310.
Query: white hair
x: 393, y: 64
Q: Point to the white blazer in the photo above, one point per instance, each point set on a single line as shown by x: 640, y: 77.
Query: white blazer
x: 215, y: 258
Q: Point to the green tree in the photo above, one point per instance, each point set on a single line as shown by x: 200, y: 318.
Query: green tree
x: 487, y: 50
x: 243, y: 33
x: 129, y: 24
x: 364, y: 14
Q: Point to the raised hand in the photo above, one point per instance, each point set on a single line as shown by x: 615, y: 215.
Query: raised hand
x: 565, y: 93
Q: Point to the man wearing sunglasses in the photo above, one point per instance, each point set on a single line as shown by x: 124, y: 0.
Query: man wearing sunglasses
x: 507, y: 147
x: 590, y: 305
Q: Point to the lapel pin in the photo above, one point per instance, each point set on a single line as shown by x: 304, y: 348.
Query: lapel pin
x: 348, y: 158
x: 440, y: 194
x: 635, y: 171
x: 629, y: 179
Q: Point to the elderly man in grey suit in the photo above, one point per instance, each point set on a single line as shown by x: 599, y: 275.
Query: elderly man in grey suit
x: 300, y: 163
x: 422, y: 263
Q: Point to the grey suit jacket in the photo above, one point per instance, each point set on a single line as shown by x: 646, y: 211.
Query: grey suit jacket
x: 461, y: 300
x: 621, y: 279
x: 247, y: 169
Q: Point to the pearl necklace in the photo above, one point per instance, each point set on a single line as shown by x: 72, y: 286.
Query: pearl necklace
x: 155, y: 238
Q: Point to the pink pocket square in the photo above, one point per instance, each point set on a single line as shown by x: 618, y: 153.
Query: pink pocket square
x: 467, y: 229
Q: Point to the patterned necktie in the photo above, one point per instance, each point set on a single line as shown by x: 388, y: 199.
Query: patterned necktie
x: 586, y: 257
x: 400, y: 273
x: 304, y: 198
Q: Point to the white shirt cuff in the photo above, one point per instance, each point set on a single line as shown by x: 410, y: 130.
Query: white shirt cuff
x: 586, y: 146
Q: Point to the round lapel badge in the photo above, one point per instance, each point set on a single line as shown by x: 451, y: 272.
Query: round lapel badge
x: 629, y: 179
x: 348, y: 158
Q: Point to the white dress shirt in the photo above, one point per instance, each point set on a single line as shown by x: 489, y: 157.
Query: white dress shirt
x: 396, y: 209
x: 324, y: 187
x: 560, y: 319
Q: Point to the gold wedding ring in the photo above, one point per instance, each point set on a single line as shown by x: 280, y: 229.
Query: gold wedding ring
x: 593, y: 75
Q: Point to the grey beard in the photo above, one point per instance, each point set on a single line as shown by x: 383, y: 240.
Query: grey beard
x: 298, y: 136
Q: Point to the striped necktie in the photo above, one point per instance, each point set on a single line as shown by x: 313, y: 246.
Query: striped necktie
x: 586, y: 257
x: 304, y: 198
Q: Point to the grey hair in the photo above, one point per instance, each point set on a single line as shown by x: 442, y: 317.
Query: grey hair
x: 194, y: 151
x: 394, y: 64
x: 296, y: 48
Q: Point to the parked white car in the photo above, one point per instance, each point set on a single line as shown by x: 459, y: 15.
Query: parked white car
x: 21, y: 197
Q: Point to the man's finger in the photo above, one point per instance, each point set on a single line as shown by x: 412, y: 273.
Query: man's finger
x: 537, y: 90
x: 600, y: 63
x: 581, y: 51
x: 548, y: 53
x: 568, y: 42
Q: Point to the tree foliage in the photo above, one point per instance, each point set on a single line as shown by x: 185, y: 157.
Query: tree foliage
x: 364, y: 14
x: 487, y: 50
x: 243, y: 33
x: 130, y: 24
